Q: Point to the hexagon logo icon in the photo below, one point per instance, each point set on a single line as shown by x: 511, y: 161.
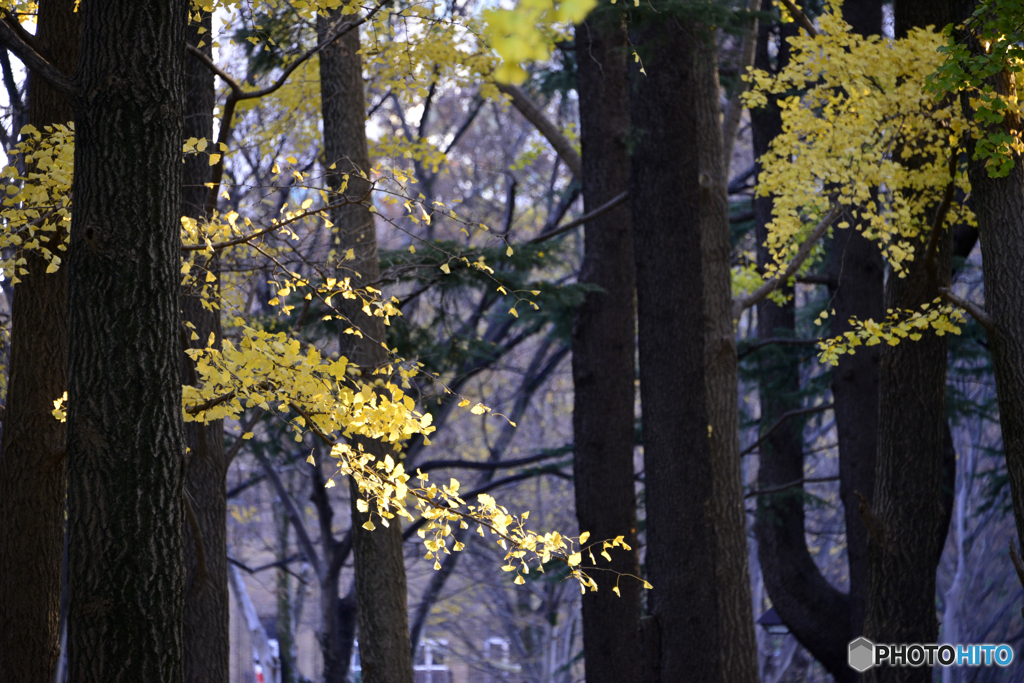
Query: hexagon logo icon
x: 862, y: 654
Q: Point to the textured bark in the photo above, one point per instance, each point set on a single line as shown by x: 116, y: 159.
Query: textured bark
x: 679, y: 474
x: 816, y: 613
x: 379, y: 564
x: 32, y: 481
x: 856, y: 274
x: 737, y: 642
x: 603, y: 352
x: 999, y: 206
x: 907, y: 521
x: 207, y: 599
x: 126, y: 441
x: 908, y: 528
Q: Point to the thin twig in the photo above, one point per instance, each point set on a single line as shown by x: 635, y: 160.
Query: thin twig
x: 790, y: 485
x: 782, y: 419
x: 599, y: 211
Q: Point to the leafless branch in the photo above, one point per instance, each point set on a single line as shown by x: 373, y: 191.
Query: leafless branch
x: 781, y: 421
x: 13, y: 41
x: 532, y: 113
x: 791, y: 485
x: 599, y: 211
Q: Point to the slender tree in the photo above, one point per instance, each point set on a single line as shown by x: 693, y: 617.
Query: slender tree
x: 686, y: 633
x: 603, y: 350
x: 379, y: 565
x: 207, y: 599
x: 737, y: 641
x: 32, y: 480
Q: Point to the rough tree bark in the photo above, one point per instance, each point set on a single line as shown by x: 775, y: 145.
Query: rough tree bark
x: 603, y: 351
x: 999, y: 206
x: 737, y: 642
x: 207, y: 599
x: 126, y: 441
x: 682, y: 638
x: 32, y: 481
x: 379, y: 564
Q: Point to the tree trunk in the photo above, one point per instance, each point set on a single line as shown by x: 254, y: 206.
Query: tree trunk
x: 907, y: 521
x: 816, y: 613
x: 999, y: 206
x: 856, y: 274
x: 603, y: 352
x: 684, y: 631
x: 737, y: 642
x: 207, y: 599
x: 32, y: 482
x: 379, y: 563
x: 126, y: 442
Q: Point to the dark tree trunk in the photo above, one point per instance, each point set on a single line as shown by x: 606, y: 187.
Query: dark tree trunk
x: 998, y: 204
x: 856, y: 275
x: 907, y: 521
x: 603, y: 352
x: 379, y: 563
x: 207, y: 600
x: 816, y: 613
x: 32, y: 464
x: 679, y: 473
x: 126, y: 442
x: 32, y: 482
x: 737, y: 640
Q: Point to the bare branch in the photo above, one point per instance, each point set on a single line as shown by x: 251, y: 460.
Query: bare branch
x: 781, y: 421
x: 599, y: 211
x: 532, y: 113
x: 305, y: 542
x: 791, y: 485
x: 12, y: 40
x: 740, y: 304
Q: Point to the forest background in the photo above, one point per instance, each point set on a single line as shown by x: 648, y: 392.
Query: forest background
x: 726, y: 296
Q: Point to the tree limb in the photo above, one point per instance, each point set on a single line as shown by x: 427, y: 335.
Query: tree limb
x: 782, y: 419
x: 501, y: 465
x: 742, y: 303
x: 976, y: 311
x: 790, y: 485
x: 35, y: 62
x: 599, y: 211
x: 801, y: 18
x: 305, y: 542
x: 532, y: 113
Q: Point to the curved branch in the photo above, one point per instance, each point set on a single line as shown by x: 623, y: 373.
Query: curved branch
x: 532, y: 113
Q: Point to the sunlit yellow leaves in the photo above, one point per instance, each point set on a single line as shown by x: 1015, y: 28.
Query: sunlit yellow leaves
x: 864, y: 113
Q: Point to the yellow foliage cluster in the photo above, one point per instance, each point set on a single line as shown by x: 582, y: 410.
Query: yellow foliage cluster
x: 303, y: 385
x: 864, y: 133
x: 36, y: 211
x: 898, y: 325
x: 526, y: 33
